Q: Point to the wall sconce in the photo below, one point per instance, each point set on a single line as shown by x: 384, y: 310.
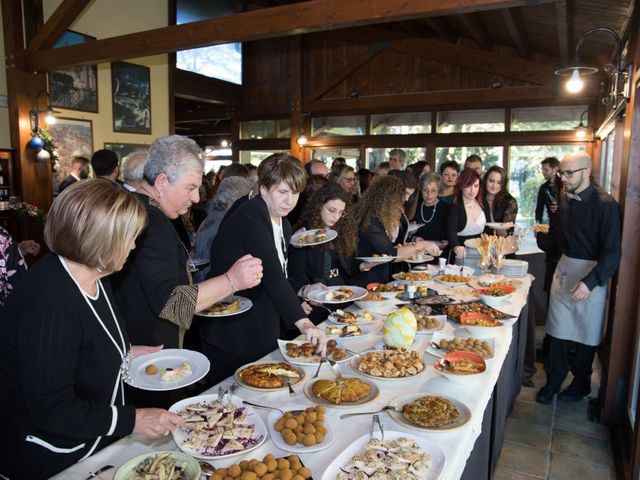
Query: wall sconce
x: 224, y: 143
x: 619, y: 83
x: 34, y: 114
x: 582, y: 129
x: 302, y: 139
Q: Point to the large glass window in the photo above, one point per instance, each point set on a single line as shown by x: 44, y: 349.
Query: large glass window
x: 328, y: 155
x: 375, y: 156
x: 525, y: 176
x: 400, y: 123
x: 257, y: 129
x: 490, y: 155
x: 338, y: 126
x: 467, y: 121
x: 548, y: 118
x: 256, y: 156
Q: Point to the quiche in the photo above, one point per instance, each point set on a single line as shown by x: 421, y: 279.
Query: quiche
x: 224, y: 307
x: 341, y: 390
x: 431, y: 412
x: 268, y: 375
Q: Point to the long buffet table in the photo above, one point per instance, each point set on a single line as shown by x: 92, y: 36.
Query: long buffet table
x: 470, y: 450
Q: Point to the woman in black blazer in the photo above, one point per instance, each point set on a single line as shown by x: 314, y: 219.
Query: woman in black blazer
x: 259, y: 228
x: 466, y: 216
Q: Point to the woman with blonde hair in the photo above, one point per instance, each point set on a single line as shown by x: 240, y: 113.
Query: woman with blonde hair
x: 64, y: 341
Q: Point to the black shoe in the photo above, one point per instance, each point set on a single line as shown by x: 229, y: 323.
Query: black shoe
x: 569, y: 395
x: 546, y: 394
x: 527, y: 382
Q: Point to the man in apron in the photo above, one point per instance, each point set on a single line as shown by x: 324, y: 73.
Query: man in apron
x: 590, y: 243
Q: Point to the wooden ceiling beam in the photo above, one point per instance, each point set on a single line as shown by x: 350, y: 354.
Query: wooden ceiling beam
x: 516, y: 30
x: 285, y: 20
x: 562, y: 26
x: 66, y: 13
x: 193, y: 86
x: 442, y: 28
x: 477, y: 31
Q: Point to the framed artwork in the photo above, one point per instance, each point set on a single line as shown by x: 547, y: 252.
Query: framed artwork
x: 72, y: 138
x: 124, y: 149
x: 74, y: 88
x: 131, y: 94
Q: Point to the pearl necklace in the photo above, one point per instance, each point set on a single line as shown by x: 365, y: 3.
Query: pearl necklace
x: 433, y: 214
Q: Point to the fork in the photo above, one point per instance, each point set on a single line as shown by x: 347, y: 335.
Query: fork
x: 388, y: 407
x: 293, y: 412
x: 335, y: 367
x: 287, y: 380
x: 322, y: 360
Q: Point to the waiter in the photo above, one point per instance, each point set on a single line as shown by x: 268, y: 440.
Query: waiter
x: 590, y: 242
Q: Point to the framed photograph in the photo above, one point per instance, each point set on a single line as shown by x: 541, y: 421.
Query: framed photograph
x: 72, y: 138
x: 124, y: 149
x: 131, y: 93
x: 74, y: 88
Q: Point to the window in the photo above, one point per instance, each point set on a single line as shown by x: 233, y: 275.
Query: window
x: 606, y: 160
x: 256, y: 156
x: 375, y: 156
x: 400, y: 123
x: 490, y: 155
x: 525, y: 177
x: 338, y: 126
x: 547, y: 118
x: 467, y: 121
x: 258, y: 129
x: 328, y: 155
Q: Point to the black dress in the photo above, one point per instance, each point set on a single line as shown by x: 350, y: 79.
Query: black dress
x: 373, y: 240
x: 435, y: 223
x: 61, y: 397
x: 229, y: 342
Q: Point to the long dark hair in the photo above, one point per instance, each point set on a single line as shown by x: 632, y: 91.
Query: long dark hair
x: 503, y: 196
x: 467, y: 178
x: 409, y: 181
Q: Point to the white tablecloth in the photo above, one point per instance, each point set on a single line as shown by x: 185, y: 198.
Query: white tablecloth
x: 456, y: 444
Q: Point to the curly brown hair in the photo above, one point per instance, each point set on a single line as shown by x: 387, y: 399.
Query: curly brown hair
x: 347, y: 240
x: 383, y: 200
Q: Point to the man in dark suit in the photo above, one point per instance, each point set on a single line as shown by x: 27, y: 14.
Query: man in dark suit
x: 79, y: 171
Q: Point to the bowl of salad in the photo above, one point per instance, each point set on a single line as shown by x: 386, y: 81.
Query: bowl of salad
x: 495, y: 295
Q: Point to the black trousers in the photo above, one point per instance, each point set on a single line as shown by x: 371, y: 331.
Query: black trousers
x: 557, y: 364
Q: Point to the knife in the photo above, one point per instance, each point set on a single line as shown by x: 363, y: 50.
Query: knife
x: 98, y: 472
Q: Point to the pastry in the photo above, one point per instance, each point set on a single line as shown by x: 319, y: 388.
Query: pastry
x: 341, y: 390
x: 431, y: 412
x: 268, y: 375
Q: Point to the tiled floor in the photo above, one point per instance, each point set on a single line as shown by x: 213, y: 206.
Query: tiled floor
x: 555, y: 442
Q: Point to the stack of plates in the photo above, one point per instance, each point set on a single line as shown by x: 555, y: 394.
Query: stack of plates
x: 514, y: 268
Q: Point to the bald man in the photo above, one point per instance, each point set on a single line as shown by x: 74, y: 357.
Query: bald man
x: 316, y: 167
x: 589, y: 238
x: 133, y: 170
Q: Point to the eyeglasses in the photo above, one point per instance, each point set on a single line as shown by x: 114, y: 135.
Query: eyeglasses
x: 335, y: 211
x: 569, y: 173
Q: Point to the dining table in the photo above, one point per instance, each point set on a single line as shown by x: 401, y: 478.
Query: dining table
x: 470, y: 450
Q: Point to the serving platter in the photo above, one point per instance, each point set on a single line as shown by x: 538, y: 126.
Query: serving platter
x: 373, y: 394
x: 355, y: 361
x: 245, y: 305
x: 296, y: 242
x: 191, y: 470
x: 380, y: 259
x: 396, y: 412
x: 167, y: 358
x: 306, y: 361
x: 279, y: 442
x: 294, y: 381
x: 439, y: 352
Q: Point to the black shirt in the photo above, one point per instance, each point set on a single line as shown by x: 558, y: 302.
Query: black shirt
x: 546, y: 196
x: 435, y: 224
x: 591, y: 231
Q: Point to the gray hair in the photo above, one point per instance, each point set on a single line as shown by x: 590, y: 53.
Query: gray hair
x: 133, y: 166
x: 229, y: 190
x: 399, y: 152
x: 430, y: 177
x: 173, y: 155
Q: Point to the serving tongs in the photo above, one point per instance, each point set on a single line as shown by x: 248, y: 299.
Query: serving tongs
x: 293, y: 412
x: 394, y: 408
x: 376, y: 422
x: 287, y: 380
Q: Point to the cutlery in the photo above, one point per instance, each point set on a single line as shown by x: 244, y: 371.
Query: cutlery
x: 287, y: 380
x: 293, y: 412
x: 98, y: 472
x: 233, y: 388
x: 322, y: 360
x: 335, y: 367
x: 207, y: 469
x: 376, y: 421
x: 337, y: 312
x: 352, y: 352
x: 221, y: 393
x: 388, y: 407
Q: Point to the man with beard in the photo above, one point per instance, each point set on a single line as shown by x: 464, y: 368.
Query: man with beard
x: 589, y: 220
x: 79, y: 171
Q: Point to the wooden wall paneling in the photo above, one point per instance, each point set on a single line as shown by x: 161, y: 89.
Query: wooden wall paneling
x: 562, y: 27
x: 61, y: 19
x: 296, y: 95
x: 267, y: 77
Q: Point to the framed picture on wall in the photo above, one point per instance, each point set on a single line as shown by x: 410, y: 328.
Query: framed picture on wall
x: 131, y: 94
x: 72, y: 138
x: 74, y: 88
x: 124, y: 149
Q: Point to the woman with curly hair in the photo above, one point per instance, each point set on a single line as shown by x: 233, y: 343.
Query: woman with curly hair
x: 378, y: 217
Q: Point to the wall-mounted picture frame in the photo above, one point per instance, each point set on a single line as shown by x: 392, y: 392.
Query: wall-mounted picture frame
x: 131, y: 95
x: 123, y: 150
x: 74, y: 88
x: 72, y: 137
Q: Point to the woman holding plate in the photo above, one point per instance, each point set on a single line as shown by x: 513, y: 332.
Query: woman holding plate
x: 64, y: 341
x: 259, y: 227
x: 499, y: 205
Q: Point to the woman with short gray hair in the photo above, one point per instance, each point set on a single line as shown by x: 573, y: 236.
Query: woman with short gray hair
x: 430, y: 212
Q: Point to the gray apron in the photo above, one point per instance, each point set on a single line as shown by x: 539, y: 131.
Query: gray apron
x: 580, y: 321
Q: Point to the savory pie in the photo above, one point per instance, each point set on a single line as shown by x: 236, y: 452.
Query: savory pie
x: 391, y: 363
x: 341, y: 390
x: 268, y: 375
x: 224, y: 307
x: 431, y: 412
x: 412, y: 276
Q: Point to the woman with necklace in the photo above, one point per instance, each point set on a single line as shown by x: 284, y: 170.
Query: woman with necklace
x: 65, y: 343
x: 466, y: 216
x: 499, y: 204
x: 431, y: 212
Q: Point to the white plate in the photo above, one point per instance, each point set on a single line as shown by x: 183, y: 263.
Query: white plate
x: 356, y: 447
x: 500, y: 225
x: 413, y: 227
x: 465, y: 413
x: 242, y: 383
x: 436, y: 352
x: 354, y: 365
x: 365, y: 334
x: 127, y: 470
x: 245, y: 304
x: 373, y: 394
x: 168, y: 358
x: 331, y: 235
x: 279, y: 442
x: 282, y: 344
x: 425, y: 258
x: 180, y: 436
x: 398, y: 279
x: 319, y: 296
x: 334, y: 319
x: 381, y: 259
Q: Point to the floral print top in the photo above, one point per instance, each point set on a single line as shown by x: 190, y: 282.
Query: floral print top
x: 12, y: 265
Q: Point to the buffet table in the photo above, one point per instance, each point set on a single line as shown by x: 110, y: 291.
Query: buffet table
x: 470, y: 450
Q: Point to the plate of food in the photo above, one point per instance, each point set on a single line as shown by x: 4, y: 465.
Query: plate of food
x: 376, y: 258
x: 216, y: 429
x: 419, y: 258
x: 441, y: 345
x: 500, y: 225
x: 427, y: 323
x: 432, y: 413
x: 495, y: 295
x: 461, y: 367
x: 414, y: 277
x: 350, y: 317
x: 308, y: 238
x: 493, y: 280
x: 373, y: 301
x: 232, y: 305
x: 345, y: 332
x: 481, y: 325
x: 168, y: 369
x: 305, y: 432
x: 406, y: 456
x: 346, y: 392
x: 414, y: 227
x: 154, y: 465
x: 287, y: 467
x: 337, y: 294
x: 454, y: 280
x: 300, y: 352
x: 268, y: 376
x: 390, y: 290
x: 390, y: 365
x: 454, y: 311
